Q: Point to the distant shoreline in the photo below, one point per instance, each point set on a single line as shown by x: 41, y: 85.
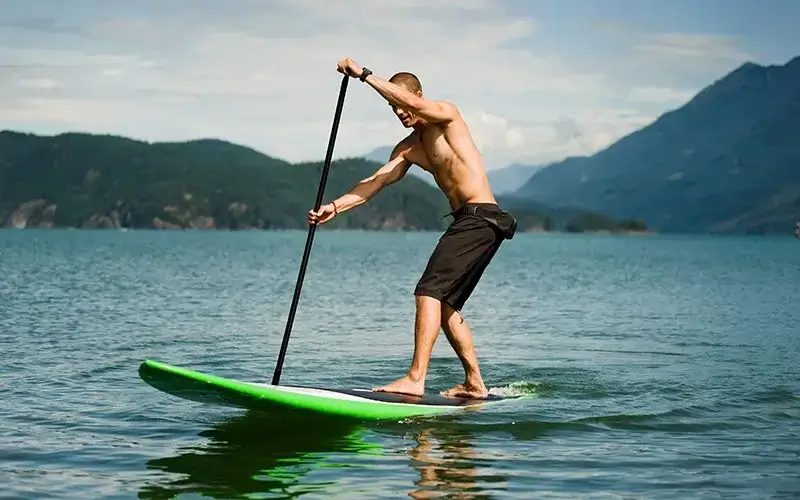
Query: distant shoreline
x: 6, y: 229
x: 321, y: 228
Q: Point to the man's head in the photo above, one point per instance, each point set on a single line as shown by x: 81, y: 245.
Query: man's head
x: 410, y: 82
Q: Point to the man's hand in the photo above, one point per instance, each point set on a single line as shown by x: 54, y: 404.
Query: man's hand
x: 325, y: 213
x: 349, y: 67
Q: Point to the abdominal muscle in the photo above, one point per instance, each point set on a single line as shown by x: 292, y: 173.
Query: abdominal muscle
x: 455, y: 163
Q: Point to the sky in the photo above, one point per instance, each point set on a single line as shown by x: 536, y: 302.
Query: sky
x: 536, y: 80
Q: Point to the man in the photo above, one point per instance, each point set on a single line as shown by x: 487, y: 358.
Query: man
x: 441, y: 143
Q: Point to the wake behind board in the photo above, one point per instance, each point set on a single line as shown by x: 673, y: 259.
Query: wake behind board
x: 344, y: 402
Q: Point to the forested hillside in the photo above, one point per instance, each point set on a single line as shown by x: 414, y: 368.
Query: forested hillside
x: 81, y: 180
x: 103, y: 181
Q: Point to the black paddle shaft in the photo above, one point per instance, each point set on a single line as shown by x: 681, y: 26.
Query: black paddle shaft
x: 311, y: 230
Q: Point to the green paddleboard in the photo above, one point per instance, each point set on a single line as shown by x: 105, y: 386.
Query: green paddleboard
x: 354, y: 403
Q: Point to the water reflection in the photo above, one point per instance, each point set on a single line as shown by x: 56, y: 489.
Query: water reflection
x: 251, y: 455
x: 446, y: 461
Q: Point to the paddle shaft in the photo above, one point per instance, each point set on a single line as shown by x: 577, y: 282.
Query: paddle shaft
x: 311, y: 230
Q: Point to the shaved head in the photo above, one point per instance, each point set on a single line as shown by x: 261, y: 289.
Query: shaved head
x: 407, y: 80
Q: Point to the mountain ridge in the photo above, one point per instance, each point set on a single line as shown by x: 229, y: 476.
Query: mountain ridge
x: 705, y: 166
x: 106, y: 181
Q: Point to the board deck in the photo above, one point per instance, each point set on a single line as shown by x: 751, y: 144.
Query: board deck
x: 345, y: 402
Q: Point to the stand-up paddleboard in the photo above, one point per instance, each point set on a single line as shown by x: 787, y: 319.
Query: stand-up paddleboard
x: 343, y: 402
x: 354, y: 403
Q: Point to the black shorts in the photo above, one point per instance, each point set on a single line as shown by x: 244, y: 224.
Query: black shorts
x: 464, y: 251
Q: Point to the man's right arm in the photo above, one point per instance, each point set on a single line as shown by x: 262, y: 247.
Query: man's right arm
x: 389, y: 173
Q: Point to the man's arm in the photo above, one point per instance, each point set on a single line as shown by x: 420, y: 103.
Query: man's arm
x: 432, y: 111
x: 391, y: 172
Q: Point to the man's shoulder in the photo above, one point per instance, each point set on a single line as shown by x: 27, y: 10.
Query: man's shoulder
x: 447, y: 105
x: 403, y: 146
x: 406, y: 142
x: 450, y: 109
x: 409, y: 149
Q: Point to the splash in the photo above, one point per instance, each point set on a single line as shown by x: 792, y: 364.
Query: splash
x: 515, y: 389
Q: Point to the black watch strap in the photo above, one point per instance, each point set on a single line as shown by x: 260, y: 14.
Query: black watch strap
x: 365, y: 72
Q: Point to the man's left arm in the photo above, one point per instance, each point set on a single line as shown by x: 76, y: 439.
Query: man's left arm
x: 432, y: 111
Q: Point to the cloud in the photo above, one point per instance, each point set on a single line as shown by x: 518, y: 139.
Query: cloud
x: 36, y: 83
x: 654, y: 43
x: 547, y: 141
x: 683, y: 60
x: 653, y: 94
x: 692, y: 45
x: 263, y: 74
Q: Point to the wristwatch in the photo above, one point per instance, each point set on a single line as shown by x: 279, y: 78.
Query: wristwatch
x: 365, y: 72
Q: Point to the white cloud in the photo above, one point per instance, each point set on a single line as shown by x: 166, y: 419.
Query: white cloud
x: 693, y: 45
x: 265, y: 76
x: 659, y: 95
x: 568, y: 135
x: 36, y: 83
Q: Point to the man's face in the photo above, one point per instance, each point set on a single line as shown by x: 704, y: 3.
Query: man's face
x: 406, y: 117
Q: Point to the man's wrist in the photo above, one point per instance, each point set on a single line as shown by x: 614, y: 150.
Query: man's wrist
x: 365, y: 72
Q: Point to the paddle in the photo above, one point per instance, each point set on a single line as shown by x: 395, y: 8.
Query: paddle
x: 311, y: 230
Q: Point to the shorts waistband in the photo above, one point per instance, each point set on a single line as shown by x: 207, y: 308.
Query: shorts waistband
x: 473, y: 209
x: 491, y: 213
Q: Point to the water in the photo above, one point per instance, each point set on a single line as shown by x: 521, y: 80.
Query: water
x: 662, y: 367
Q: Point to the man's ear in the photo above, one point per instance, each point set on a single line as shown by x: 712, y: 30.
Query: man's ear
x: 419, y: 93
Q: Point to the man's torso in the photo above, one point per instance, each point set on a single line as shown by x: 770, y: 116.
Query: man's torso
x: 449, y: 154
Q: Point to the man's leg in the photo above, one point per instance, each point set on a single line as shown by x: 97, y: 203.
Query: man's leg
x: 453, y: 269
x: 460, y: 337
x: 426, y: 329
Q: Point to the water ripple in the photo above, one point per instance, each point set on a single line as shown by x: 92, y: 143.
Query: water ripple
x: 659, y: 367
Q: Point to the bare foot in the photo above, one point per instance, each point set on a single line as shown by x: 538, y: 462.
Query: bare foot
x: 467, y: 391
x: 403, y: 386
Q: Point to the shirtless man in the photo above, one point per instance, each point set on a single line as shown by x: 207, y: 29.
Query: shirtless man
x: 441, y: 143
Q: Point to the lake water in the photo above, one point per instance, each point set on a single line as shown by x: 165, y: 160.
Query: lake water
x: 662, y: 367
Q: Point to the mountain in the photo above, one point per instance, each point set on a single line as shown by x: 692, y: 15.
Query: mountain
x: 503, y: 180
x: 379, y: 155
x: 728, y: 161
x: 83, y: 180
x: 508, y: 179
x: 105, y: 181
